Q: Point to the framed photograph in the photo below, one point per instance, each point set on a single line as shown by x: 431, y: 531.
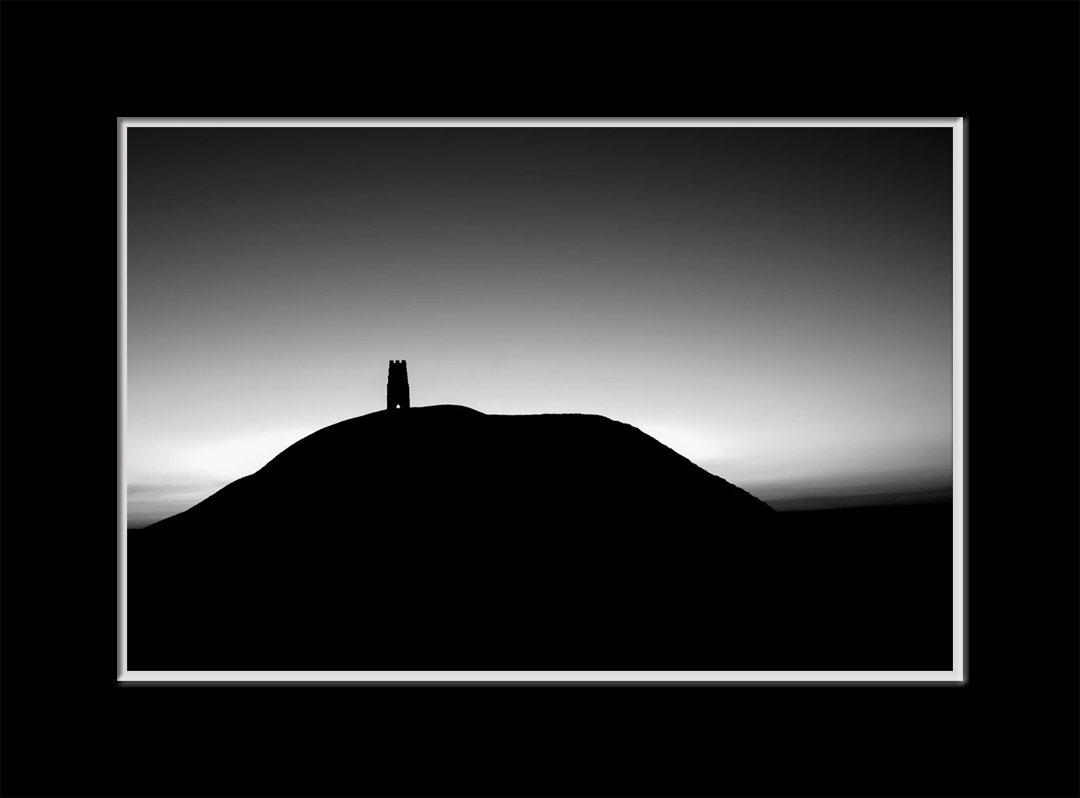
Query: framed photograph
x: 542, y: 400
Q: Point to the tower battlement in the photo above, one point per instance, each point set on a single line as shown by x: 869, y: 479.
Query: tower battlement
x: 397, y: 386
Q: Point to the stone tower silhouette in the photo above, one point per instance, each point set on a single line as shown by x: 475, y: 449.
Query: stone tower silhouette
x: 397, y: 386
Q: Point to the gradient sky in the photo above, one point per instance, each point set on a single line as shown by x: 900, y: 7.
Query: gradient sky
x: 773, y: 303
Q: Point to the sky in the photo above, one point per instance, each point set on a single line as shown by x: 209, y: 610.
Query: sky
x: 773, y: 303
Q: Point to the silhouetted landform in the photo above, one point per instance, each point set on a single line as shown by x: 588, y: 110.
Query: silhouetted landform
x: 447, y: 539
x: 839, y: 499
x: 397, y: 386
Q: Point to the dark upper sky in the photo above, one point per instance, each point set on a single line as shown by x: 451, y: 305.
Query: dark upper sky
x: 774, y: 303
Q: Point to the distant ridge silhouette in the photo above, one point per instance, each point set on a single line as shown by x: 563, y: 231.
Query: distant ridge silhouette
x: 444, y: 538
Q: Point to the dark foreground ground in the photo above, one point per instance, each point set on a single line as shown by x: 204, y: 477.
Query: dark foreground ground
x: 850, y: 589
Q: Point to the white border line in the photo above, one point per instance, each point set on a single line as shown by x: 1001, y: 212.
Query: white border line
x: 123, y: 400
x: 526, y: 122
x: 959, y: 630
x: 542, y: 676
x: 957, y: 675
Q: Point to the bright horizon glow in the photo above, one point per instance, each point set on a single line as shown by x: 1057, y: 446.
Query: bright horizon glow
x: 200, y: 469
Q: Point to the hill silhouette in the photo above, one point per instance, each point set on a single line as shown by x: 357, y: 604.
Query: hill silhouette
x: 430, y: 466
x: 442, y: 538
